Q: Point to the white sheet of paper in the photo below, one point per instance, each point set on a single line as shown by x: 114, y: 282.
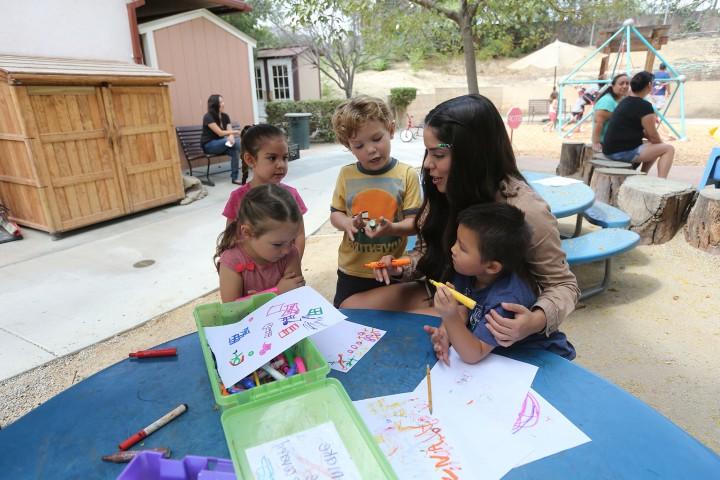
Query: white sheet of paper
x: 345, y: 343
x: 491, y: 389
x: 438, y: 446
x: 556, y: 181
x: 241, y: 348
x: 318, y: 452
x: 541, y: 428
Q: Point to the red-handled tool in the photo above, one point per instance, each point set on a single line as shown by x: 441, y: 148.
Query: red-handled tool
x: 157, y: 424
x: 159, y: 352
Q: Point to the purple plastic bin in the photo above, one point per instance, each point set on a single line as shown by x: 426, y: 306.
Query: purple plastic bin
x: 151, y: 466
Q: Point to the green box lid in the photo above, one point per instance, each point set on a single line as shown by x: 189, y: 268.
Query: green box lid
x: 296, y: 409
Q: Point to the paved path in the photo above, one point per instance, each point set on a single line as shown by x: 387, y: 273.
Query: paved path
x: 57, y: 297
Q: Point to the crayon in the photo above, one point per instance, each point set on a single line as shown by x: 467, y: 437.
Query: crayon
x: 159, y: 352
x: 256, y: 378
x: 399, y: 262
x: 467, y: 301
x: 300, y: 365
x: 126, y: 456
x: 157, y: 424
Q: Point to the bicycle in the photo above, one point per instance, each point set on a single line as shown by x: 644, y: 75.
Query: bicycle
x: 412, y: 131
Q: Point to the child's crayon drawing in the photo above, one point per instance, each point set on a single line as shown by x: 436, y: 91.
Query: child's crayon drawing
x: 529, y: 414
x: 283, y: 326
x: 315, y: 453
x: 346, y: 343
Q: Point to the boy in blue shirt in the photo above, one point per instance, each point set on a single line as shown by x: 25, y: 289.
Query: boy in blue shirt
x: 489, y: 264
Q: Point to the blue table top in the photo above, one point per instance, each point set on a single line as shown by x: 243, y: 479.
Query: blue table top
x: 564, y: 200
x: 65, y: 437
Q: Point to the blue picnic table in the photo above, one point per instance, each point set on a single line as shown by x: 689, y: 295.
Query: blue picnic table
x: 65, y: 437
x: 564, y: 200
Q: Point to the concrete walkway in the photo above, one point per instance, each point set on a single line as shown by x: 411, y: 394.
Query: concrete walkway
x: 57, y: 297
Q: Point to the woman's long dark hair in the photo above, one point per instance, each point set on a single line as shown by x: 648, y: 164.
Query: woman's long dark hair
x: 213, y: 108
x: 482, y: 157
x: 609, y: 87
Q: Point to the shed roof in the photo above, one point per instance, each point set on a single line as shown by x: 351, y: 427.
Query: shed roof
x: 45, y: 70
x: 154, y: 9
x: 280, y: 52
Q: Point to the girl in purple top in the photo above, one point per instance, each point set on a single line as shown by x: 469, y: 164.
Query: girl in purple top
x: 257, y: 250
x: 265, y: 150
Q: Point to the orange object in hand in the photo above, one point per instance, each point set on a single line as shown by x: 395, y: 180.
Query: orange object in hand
x: 400, y: 262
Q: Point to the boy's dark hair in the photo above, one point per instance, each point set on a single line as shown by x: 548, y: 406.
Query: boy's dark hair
x: 641, y: 80
x: 263, y: 203
x: 502, y: 232
x: 663, y: 66
x: 482, y: 158
x: 251, y: 141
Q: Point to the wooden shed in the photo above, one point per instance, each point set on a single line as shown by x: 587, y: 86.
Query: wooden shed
x: 84, y: 141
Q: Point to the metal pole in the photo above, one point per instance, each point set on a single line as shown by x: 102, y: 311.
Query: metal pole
x: 628, y: 59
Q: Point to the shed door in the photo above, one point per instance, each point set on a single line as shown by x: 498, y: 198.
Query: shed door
x: 281, y: 79
x: 145, y: 145
x: 74, y: 137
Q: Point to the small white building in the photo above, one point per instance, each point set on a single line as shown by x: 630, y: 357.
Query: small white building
x: 285, y: 74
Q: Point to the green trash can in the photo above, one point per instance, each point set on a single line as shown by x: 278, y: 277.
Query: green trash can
x: 299, y: 129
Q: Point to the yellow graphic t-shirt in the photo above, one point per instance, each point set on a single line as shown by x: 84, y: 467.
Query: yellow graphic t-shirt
x: 392, y: 192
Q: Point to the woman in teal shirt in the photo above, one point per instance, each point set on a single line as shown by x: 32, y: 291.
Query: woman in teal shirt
x: 605, y: 105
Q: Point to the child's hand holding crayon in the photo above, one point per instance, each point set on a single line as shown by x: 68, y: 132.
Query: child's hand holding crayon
x: 447, y: 306
x: 440, y: 341
x: 390, y: 267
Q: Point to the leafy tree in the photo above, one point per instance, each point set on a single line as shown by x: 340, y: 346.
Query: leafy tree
x: 253, y: 23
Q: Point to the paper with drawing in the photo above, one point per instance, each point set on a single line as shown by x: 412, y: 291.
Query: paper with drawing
x: 316, y: 453
x: 241, y: 348
x: 556, y: 181
x: 345, y: 343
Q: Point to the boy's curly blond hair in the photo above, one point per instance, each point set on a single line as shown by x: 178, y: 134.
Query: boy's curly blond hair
x: 352, y: 114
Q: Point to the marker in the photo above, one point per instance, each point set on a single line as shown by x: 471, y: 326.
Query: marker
x: 156, y: 425
x: 399, y: 262
x: 300, y: 364
x: 158, y: 352
x: 273, y: 373
x: 467, y: 301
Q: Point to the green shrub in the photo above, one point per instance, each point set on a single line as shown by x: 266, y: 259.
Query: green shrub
x: 320, y: 122
x: 401, y: 97
x: 380, y: 65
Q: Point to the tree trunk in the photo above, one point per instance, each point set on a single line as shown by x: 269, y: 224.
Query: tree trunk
x: 469, y: 53
x: 657, y: 207
x: 703, y: 225
x: 606, y: 183
x: 598, y: 160
x: 571, y: 156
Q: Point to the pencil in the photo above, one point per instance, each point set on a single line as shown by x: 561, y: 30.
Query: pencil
x: 427, y: 373
x: 467, y: 301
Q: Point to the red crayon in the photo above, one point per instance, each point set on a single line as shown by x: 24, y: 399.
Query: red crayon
x: 160, y: 352
x: 156, y: 425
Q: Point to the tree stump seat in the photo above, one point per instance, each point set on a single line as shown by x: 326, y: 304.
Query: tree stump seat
x: 573, y: 156
x: 657, y: 207
x: 703, y: 224
x: 606, y: 183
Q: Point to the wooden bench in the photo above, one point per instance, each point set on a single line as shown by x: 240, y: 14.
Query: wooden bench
x: 538, y: 107
x: 600, y: 245
x: 189, y: 137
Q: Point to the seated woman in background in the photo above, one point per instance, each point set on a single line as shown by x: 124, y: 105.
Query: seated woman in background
x: 605, y: 106
x: 634, y: 119
x: 218, y: 137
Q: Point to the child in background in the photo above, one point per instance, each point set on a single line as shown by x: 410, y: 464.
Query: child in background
x: 488, y: 259
x: 375, y: 198
x: 552, y: 112
x: 257, y: 250
x: 265, y: 150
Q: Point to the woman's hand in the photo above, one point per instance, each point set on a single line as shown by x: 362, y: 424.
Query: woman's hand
x: 384, y: 274
x: 597, y: 147
x: 510, y: 330
x: 440, y: 341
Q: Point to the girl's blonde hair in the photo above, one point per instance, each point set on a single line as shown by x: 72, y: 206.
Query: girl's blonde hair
x: 261, y: 204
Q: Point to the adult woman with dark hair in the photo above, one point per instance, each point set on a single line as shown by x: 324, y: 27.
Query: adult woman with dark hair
x: 605, y: 106
x: 218, y: 137
x: 635, y: 119
x: 469, y: 160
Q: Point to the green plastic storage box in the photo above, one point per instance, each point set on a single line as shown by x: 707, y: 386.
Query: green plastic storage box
x: 216, y: 314
x: 295, y: 408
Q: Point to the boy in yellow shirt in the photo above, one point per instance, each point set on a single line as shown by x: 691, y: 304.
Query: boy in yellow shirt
x: 375, y: 199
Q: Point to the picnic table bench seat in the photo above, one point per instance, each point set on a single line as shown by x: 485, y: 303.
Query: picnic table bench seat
x: 606, y: 216
x: 599, y: 245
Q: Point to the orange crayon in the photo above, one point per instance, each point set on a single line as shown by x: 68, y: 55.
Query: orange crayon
x: 400, y: 262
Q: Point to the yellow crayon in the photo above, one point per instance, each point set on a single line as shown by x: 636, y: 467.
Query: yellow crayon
x: 467, y: 301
